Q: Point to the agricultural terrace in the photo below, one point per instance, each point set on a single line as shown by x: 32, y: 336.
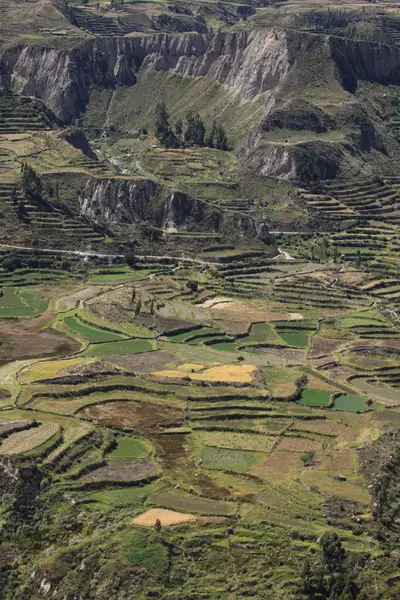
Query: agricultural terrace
x: 201, y: 406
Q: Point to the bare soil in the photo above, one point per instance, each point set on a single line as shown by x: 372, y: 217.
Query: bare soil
x: 141, y: 417
x: 169, y: 517
x: 143, y: 363
x: 122, y: 471
x: 28, y: 341
x: 299, y: 445
x: 321, y: 346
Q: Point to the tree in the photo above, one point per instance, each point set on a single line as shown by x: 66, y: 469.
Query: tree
x: 157, y: 525
x: 331, y: 577
x: 221, y: 141
x: 138, y: 307
x: 212, y: 135
x: 308, y: 458
x: 195, y: 130
x: 148, y: 230
x: 179, y: 128
x: 163, y: 130
x: 14, y: 197
x: 333, y: 553
x: 130, y: 259
x: 192, y: 285
x: 31, y: 183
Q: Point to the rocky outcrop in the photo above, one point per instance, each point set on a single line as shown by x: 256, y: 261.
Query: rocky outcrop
x: 119, y: 201
x: 248, y: 63
x: 111, y: 201
x: 77, y: 139
x: 365, y: 60
x: 19, y: 484
x: 306, y: 161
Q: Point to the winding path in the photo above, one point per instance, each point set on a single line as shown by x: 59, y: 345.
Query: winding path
x: 197, y: 261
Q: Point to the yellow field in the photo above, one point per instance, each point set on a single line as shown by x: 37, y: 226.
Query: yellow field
x: 222, y: 374
x: 46, y: 369
x: 166, y: 517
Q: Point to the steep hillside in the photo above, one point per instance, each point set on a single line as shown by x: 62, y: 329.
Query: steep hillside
x: 255, y: 82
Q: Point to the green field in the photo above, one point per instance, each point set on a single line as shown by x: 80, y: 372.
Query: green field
x: 315, y: 397
x: 183, y: 336
x: 296, y: 334
x: 90, y: 333
x: 130, y: 448
x: 119, y: 276
x: 19, y: 303
x: 351, y: 403
x: 114, y: 348
x: 239, y: 461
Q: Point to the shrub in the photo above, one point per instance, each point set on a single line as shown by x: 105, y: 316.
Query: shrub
x: 192, y: 285
x: 308, y: 458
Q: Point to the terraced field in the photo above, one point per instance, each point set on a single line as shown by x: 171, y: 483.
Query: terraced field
x: 227, y: 407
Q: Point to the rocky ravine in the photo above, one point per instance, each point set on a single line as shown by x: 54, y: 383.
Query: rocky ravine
x: 249, y: 63
x: 119, y: 201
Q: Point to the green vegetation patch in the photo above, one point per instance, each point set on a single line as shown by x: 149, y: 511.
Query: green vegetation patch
x: 225, y: 346
x: 296, y: 334
x: 351, y: 403
x: 90, y: 333
x: 141, y: 550
x: 181, y: 501
x: 184, y: 335
x: 225, y: 459
x: 129, y: 447
x: 115, y: 348
x: 127, y: 495
x: 262, y: 333
x: 120, y: 276
x: 18, y: 303
x: 315, y: 397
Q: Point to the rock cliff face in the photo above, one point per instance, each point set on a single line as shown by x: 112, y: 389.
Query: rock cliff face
x: 365, y: 60
x: 112, y: 201
x: 249, y: 63
x: 118, y: 202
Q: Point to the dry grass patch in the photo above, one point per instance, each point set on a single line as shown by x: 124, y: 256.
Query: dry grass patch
x: 220, y: 374
x: 314, y: 383
x: 47, y: 369
x: 233, y: 440
x: 190, y: 367
x: 169, y: 517
x: 121, y: 472
x: 166, y: 517
x: 143, y: 363
x: 299, y: 445
x: 322, y: 346
x: 142, y: 417
x: 340, y: 489
x: 325, y: 427
x: 253, y: 311
x: 277, y: 466
x: 24, y: 441
x: 341, y: 461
